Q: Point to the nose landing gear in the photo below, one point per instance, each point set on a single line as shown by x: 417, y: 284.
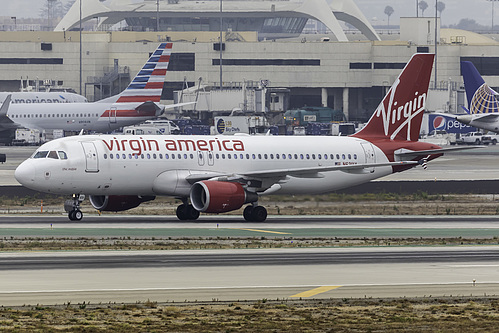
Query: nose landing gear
x: 72, y: 207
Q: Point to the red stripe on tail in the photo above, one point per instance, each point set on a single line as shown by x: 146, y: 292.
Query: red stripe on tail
x: 138, y: 99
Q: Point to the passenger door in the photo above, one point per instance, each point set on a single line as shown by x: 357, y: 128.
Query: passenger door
x: 91, y: 158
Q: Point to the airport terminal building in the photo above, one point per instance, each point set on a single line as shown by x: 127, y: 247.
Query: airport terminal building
x: 351, y: 75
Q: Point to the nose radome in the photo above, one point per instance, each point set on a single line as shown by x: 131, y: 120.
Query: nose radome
x: 25, y: 173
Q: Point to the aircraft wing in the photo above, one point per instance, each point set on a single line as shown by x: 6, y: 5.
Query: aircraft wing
x: 279, y: 174
x: 314, y: 172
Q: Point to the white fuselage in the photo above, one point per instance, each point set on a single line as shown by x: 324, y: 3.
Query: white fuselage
x: 40, y: 97
x: 159, y: 165
x: 73, y: 116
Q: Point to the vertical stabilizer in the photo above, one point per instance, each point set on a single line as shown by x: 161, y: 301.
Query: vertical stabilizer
x: 400, y: 113
x: 481, y: 98
x: 148, y: 83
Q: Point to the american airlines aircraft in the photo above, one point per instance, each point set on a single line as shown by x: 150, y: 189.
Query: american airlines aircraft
x: 483, y: 106
x: 216, y: 174
x: 137, y: 103
x: 36, y: 97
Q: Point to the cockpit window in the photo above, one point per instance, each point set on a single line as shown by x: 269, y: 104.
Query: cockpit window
x: 41, y: 154
x: 53, y: 154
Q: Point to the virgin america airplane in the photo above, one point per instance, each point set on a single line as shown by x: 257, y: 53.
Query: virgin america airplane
x: 217, y: 174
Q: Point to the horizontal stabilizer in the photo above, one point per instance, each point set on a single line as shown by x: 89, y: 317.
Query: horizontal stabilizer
x: 148, y: 107
x: 486, y: 117
x: 410, y: 153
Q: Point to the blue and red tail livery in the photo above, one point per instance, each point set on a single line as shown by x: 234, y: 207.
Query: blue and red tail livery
x: 148, y: 83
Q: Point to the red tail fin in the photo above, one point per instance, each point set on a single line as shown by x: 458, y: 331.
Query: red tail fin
x: 400, y: 113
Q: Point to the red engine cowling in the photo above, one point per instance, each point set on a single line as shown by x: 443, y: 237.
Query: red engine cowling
x: 117, y: 203
x: 219, y: 197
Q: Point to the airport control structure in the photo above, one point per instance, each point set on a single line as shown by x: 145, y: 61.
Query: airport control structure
x: 268, y: 65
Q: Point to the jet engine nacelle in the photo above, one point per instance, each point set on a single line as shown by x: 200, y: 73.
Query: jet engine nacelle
x: 117, y: 203
x: 211, y: 196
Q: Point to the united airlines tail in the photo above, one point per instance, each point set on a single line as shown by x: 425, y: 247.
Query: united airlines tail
x: 399, y: 115
x: 481, y: 98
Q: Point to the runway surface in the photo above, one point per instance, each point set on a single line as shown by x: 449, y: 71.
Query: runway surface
x: 57, y: 278
x: 231, y: 275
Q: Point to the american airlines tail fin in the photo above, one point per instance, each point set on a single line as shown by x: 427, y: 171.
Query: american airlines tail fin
x: 148, y: 83
x: 400, y: 113
x: 481, y: 98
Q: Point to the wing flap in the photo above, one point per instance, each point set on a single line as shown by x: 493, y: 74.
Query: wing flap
x: 315, y: 171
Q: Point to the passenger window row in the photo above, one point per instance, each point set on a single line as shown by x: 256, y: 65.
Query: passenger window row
x: 56, y: 115
x: 236, y: 156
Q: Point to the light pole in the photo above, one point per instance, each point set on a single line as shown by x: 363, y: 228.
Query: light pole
x: 157, y: 15
x: 436, y: 43
x: 80, y: 47
x: 221, y: 45
x: 492, y: 1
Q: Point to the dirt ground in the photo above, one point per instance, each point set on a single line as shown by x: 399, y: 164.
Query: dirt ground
x: 330, y: 315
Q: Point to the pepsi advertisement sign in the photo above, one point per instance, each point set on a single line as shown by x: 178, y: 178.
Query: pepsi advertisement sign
x: 441, y: 122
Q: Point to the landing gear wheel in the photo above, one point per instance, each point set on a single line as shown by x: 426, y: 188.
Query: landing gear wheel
x: 187, y: 212
x: 191, y: 213
x: 255, y: 213
x: 247, y: 213
x: 182, y: 212
x: 259, y: 214
x: 72, y: 207
x: 75, y: 215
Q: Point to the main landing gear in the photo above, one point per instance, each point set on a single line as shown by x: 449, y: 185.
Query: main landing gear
x: 72, y: 207
x: 186, y: 212
x: 255, y: 213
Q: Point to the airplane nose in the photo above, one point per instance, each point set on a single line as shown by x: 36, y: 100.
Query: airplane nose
x: 25, y: 173
x: 465, y: 119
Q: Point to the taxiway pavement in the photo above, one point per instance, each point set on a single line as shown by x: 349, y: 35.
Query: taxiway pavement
x: 237, y: 275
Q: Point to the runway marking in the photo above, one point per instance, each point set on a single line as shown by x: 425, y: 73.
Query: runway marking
x: 267, y: 231
x: 315, y: 291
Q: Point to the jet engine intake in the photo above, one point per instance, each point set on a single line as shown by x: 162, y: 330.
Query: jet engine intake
x: 117, y: 203
x: 211, y: 196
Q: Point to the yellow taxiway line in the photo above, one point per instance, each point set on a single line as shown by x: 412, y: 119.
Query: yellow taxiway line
x: 267, y: 231
x: 315, y: 291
